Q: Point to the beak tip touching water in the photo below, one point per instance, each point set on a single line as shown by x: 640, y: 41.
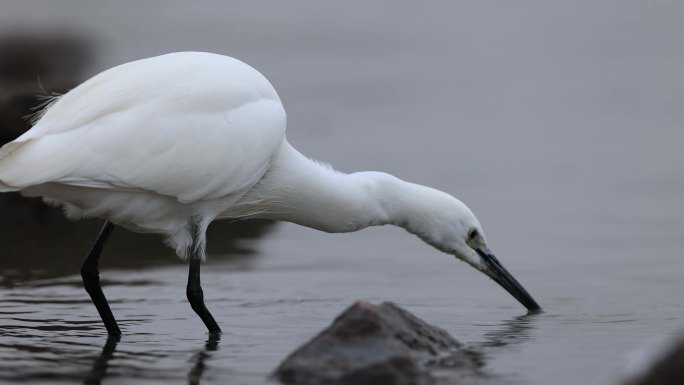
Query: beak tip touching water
x: 500, y: 275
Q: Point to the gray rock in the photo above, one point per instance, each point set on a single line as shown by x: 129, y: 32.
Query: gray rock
x: 375, y: 345
x: 660, y: 364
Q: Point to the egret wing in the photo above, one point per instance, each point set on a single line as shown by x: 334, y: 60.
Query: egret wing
x: 210, y: 133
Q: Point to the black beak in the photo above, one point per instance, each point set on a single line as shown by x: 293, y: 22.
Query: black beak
x: 501, y: 276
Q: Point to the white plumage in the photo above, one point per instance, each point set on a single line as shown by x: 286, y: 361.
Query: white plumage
x: 151, y: 143
x: 170, y: 143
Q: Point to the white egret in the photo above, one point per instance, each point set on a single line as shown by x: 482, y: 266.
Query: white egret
x: 170, y: 143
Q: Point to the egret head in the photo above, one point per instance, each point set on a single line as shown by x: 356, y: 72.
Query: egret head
x: 450, y: 226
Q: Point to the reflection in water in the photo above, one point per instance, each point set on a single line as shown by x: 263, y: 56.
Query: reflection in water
x: 514, y: 331
x: 449, y: 369
x: 99, y: 369
x: 510, y: 332
x: 197, y: 370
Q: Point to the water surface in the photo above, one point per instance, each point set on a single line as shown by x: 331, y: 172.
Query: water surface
x: 560, y: 125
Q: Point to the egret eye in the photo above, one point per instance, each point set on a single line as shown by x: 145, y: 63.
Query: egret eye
x: 472, y: 234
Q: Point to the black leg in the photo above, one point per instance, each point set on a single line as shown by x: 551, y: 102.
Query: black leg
x: 195, y: 294
x: 91, y: 280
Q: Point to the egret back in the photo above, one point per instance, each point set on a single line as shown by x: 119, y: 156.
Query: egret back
x: 184, y: 133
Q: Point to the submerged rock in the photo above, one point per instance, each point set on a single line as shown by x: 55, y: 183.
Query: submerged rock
x: 375, y: 345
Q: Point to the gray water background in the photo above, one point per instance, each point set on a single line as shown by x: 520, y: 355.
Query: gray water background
x: 558, y: 123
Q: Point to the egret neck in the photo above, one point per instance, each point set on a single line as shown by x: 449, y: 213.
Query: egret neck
x: 310, y: 193
x: 301, y: 190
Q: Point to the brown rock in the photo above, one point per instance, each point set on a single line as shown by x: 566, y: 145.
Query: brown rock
x: 373, y: 344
